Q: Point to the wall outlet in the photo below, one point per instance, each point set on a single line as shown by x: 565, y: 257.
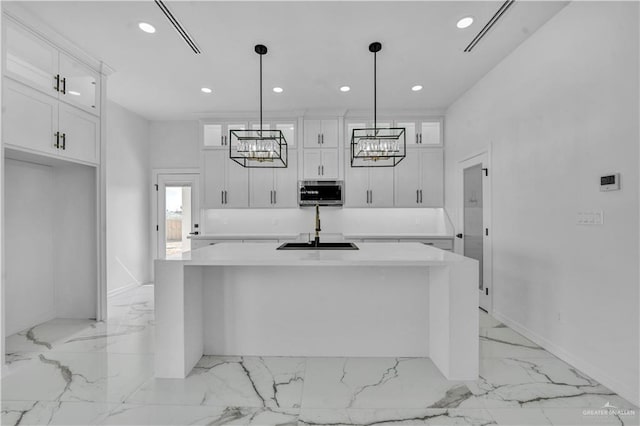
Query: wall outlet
x: 595, y: 217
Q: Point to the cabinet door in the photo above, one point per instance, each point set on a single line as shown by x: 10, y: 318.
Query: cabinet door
x: 212, y: 135
x: 431, y: 132
x: 29, y: 118
x: 286, y: 187
x: 261, y: 184
x: 407, y: 180
x: 381, y: 186
x: 79, y: 84
x: 410, y: 130
x: 312, y: 160
x: 432, y: 178
x: 312, y: 131
x: 237, y: 185
x: 356, y: 180
x: 329, y: 133
x: 30, y: 59
x: 214, y: 178
x: 329, y: 165
x: 289, y: 132
x: 81, y: 133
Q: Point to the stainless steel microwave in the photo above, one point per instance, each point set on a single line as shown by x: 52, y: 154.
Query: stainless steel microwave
x: 321, y: 192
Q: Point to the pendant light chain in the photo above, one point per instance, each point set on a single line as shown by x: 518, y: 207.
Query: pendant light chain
x: 375, y: 92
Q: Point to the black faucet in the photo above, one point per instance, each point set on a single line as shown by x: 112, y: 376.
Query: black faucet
x: 316, y: 242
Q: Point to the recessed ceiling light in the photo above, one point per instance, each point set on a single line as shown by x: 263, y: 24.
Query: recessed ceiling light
x: 416, y: 88
x: 73, y: 92
x: 278, y: 89
x: 345, y: 88
x: 206, y: 90
x: 465, y: 22
x: 147, y: 28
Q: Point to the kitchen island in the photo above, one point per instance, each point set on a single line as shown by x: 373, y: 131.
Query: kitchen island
x: 383, y: 300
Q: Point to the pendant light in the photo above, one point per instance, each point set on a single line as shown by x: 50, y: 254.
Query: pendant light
x: 376, y: 147
x: 260, y: 147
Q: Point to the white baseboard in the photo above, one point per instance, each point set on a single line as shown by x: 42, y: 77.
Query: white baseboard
x: 122, y: 289
x: 622, y: 389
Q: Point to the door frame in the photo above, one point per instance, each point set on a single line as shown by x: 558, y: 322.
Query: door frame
x: 179, y: 175
x: 483, y: 158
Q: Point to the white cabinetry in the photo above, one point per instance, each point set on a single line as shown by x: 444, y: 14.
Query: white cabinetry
x: 37, y: 122
x: 320, y: 163
x: 422, y: 132
x: 274, y: 187
x: 368, y: 186
x: 226, y: 184
x: 419, y: 179
x: 33, y: 61
x: 321, y: 133
x: 215, y: 134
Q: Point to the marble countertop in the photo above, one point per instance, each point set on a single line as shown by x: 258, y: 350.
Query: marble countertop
x: 304, y: 235
x: 369, y: 254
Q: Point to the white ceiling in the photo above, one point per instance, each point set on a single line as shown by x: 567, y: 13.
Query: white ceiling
x: 314, y: 47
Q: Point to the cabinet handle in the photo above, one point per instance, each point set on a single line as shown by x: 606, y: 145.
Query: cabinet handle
x: 370, y: 196
x: 57, y: 86
x: 421, y: 194
x: 221, y: 197
x: 64, y: 141
x: 64, y: 86
x: 318, y: 138
x: 271, y: 197
x: 226, y: 197
x: 221, y: 140
x: 275, y: 197
x: 322, y: 168
x: 322, y: 138
x: 420, y: 137
x: 417, y: 137
x: 318, y: 170
x: 57, y: 135
x: 417, y: 196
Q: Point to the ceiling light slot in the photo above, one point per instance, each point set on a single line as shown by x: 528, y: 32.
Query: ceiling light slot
x: 176, y: 24
x: 505, y: 6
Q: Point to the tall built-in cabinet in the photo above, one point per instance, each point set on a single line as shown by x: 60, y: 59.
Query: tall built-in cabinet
x: 229, y: 185
x: 51, y: 133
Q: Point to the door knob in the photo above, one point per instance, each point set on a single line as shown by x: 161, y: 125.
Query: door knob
x: 459, y: 235
x: 194, y: 233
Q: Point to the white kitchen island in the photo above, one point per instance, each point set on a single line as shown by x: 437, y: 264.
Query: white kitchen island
x: 383, y: 300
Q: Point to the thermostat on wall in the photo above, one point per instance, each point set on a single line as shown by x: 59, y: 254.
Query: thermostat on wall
x: 610, y: 182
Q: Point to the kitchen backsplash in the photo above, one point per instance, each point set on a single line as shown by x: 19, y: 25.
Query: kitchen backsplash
x: 348, y: 221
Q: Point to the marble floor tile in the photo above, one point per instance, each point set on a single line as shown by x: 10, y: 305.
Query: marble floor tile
x: 381, y: 383
x: 89, y: 377
x: 538, y: 382
x: 487, y: 321
x: 112, y: 338
x: 46, y: 336
x: 268, y: 382
x: 503, y: 342
x: 24, y: 413
x: 386, y: 416
x: 128, y: 414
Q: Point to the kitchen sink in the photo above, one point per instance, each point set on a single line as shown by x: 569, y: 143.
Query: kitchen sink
x: 311, y: 245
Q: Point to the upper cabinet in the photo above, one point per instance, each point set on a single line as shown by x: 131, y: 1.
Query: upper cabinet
x: 422, y: 132
x: 215, y: 134
x: 418, y: 133
x: 321, y: 133
x: 33, y: 61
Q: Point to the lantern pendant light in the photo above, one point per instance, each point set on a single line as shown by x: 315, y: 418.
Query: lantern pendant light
x: 259, y: 148
x: 376, y: 147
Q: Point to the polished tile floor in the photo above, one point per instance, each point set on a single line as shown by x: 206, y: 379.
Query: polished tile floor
x: 82, y: 372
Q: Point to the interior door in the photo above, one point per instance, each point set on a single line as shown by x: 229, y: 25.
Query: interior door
x: 476, y: 214
x: 178, y: 212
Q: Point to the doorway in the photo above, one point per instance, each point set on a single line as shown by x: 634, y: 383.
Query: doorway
x: 178, y: 213
x: 476, y: 216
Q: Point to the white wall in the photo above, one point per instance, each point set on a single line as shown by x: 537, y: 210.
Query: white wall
x: 128, y: 187
x: 29, y: 218
x: 560, y: 111
x: 174, y: 144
